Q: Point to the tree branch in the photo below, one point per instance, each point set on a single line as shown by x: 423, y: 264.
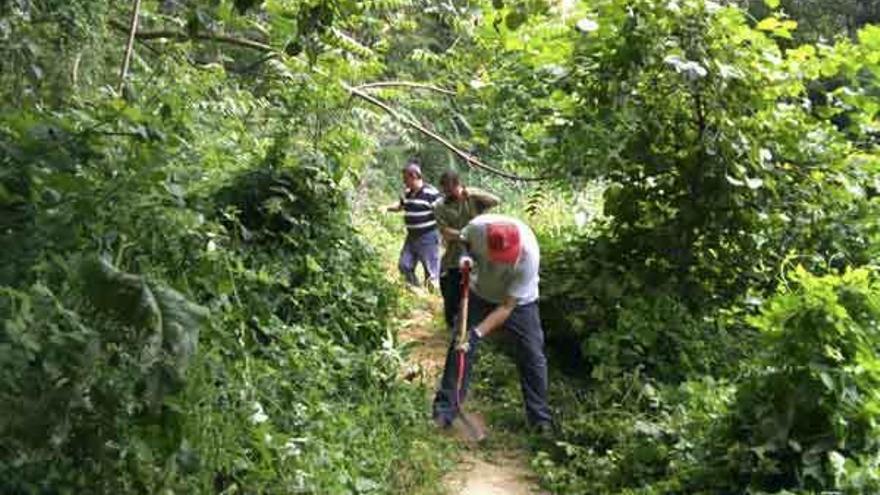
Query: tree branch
x: 407, y: 84
x: 253, y: 66
x: 467, y: 157
x: 74, y: 75
x: 181, y: 36
x: 132, y: 30
x: 470, y: 160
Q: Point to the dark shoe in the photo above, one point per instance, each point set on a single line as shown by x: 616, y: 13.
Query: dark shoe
x: 443, y: 422
x: 543, y: 430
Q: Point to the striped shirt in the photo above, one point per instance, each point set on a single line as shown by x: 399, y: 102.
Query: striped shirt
x: 418, y: 210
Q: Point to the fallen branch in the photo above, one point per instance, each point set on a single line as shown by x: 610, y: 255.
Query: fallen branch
x: 406, y: 84
x: 470, y: 160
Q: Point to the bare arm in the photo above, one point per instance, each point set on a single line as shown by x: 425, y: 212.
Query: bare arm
x: 497, y: 317
x: 398, y: 206
x: 450, y: 234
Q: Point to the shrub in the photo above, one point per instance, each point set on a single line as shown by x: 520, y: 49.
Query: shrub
x: 293, y: 384
x: 604, y: 315
x: 807, y: 417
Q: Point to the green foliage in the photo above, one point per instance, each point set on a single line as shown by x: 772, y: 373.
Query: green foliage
x: 802, y: 418
x: 699, y: 149
x: 602, y: 316
x: 714, y: 175
x: 282, y: 199
x: 662, y: 337
x: 87, y: 396
x: 817, y: 19
x: 635, y: 438
x: 724, y: 150
x: 806, y: 418
x: 189, y: 306
x: 294, y: 377
x: 186, y: 304
x: 166, y: 322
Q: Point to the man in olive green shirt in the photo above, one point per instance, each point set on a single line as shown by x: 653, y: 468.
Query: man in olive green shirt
x: 458, y: 206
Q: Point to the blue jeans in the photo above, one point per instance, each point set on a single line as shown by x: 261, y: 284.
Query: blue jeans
x: 424, y: 249
x: 524, y: 327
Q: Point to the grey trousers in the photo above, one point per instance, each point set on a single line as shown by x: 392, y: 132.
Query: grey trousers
x: 424, y: 249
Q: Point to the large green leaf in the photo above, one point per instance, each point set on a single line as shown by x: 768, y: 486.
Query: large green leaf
x: 170, y: 323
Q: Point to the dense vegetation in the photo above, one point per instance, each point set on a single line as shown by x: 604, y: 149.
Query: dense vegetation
x: 193, y: 301
x: 186, y: 303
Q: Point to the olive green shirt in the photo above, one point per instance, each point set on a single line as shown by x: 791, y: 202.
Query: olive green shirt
x: 457, y: 214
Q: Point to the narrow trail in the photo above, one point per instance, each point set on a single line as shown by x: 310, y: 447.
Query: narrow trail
x: 484, y: 469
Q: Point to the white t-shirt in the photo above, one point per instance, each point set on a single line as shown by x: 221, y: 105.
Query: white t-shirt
x: 494, y: 281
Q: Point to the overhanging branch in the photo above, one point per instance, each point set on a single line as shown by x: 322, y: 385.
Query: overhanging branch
x: 407, y: 84
x: 182, y: 36
x: 469, y: 159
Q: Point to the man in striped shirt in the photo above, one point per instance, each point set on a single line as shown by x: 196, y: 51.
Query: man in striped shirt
x: 422, y: 244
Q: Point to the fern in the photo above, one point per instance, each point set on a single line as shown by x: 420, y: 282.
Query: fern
x: 534, y: 201
x: 338, y: 39
x: 386, y: 5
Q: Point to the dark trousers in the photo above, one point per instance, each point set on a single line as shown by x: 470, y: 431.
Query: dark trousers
x: 450, y: 287
x: 524, y: 328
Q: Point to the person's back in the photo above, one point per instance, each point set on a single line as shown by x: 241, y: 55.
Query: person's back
x: 503, y: 295
x: 493, y: 281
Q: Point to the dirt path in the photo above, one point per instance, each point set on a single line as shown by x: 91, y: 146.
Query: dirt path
x: 482, y: 470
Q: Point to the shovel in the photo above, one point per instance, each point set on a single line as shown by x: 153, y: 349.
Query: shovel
x: 472, y: 428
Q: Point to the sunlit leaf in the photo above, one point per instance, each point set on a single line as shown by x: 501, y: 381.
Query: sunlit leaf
x: 587, y: 25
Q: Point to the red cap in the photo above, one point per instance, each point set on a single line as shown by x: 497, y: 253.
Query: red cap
x: 502, y: 241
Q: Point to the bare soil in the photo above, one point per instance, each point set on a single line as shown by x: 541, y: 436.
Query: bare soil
x: 481, y: 470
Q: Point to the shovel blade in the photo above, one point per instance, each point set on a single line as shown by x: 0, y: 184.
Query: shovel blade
x: 472, y: 427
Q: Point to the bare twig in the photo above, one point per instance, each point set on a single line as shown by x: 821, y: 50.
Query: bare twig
x: 75, y: 72
x: 470, y: 160
x: 406, y: 84
x: 132, y: 30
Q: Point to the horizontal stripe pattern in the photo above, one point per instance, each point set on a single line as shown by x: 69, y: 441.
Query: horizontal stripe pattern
x: 421, y: 225
x: 418, y: 210
x: 418, y: 213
